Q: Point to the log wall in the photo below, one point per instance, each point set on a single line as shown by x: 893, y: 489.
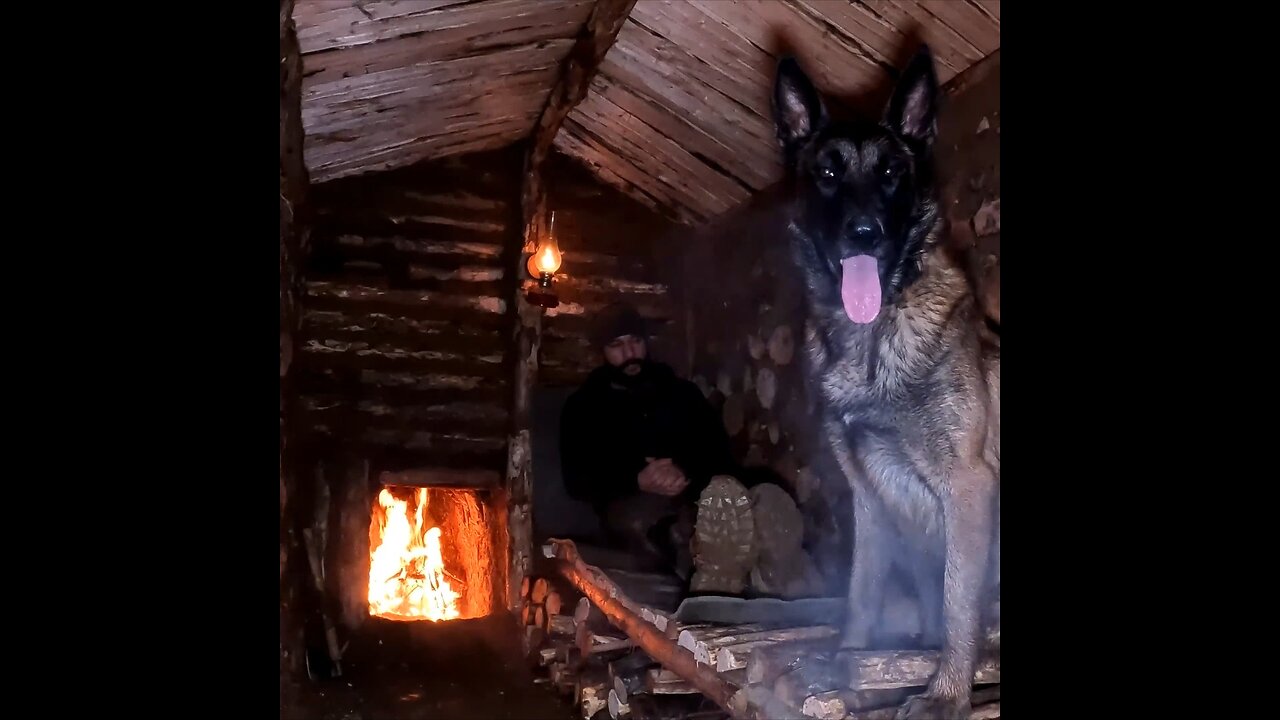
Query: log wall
x: 404, y: 347
x: 747, y: 321
x: 614, y: 249
x: 969, y: 154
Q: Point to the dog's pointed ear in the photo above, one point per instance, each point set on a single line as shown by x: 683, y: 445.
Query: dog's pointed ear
x: 798, y: 110
x: 913, y: 109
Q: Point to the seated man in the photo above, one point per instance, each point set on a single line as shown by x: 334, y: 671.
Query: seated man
x: 649, y: 453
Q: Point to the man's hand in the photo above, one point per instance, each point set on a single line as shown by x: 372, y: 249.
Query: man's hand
x: 662, y: 477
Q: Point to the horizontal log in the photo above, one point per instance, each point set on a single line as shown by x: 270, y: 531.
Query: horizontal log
x: 393, y: 244
x: 397, y: 360
x: 395, y: 456
x: 360, y: 293
x: 398, y: 388
x: 350, y: 331
x: 734, y: 656
x: 901, y: 668
x: 343, y: 421
x: 443, y: 477
x: 395, y: 275
x: 464, y: 311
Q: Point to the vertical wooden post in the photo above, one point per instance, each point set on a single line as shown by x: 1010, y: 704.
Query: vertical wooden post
x: 293, y: 241
x: 594, y: 40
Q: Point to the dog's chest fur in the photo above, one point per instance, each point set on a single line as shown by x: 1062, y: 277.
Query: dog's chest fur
x: 892, y: 390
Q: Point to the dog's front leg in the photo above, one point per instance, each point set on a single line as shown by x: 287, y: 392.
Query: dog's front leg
x: 968, y: 515
x: 870, y: 571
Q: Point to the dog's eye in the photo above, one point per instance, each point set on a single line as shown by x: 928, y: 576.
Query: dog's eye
x: 890, y: 171
x: 827, y: 173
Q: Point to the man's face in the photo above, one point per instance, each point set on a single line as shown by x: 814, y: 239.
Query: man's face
x: 626, y: 353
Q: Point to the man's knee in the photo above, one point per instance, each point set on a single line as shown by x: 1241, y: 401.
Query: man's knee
x: 636, y: 515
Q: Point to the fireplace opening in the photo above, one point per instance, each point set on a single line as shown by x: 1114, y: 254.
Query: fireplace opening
x: 431, y: 555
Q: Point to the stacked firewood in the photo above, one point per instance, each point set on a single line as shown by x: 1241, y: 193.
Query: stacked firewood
x: 789, y: 681
x: 743, y: 671
x: 595, y: 666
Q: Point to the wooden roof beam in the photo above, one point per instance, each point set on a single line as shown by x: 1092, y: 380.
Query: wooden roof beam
x: 593, y: 42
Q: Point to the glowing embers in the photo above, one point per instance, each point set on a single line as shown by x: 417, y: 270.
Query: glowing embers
x: 429, y: 555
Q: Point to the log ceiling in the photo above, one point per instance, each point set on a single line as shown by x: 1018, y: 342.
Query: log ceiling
x: 677, y: 115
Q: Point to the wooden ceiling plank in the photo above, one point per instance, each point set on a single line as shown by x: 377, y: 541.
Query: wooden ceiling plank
x: 687, y: 131
x: 576, y: 143
x: 662, y: 72
x: 836, y: 65
x: 720, y: 57
x: 947, y: 46
x: 968, y: 22
x: 350, y: 28
x: 707, y: 190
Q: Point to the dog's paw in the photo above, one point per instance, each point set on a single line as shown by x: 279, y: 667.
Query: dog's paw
x: 933, y: 707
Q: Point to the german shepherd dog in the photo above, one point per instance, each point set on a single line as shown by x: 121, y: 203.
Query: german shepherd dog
x: 902, y: 364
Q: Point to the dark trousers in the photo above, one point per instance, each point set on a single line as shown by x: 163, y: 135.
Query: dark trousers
x: 656, y: 528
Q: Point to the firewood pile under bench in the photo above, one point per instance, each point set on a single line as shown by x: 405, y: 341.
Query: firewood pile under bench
x: 617, y: 658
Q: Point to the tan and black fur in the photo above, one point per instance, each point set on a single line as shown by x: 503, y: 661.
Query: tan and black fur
x: 910, y: 400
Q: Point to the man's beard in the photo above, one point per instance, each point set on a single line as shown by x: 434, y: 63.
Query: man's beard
x: 626, y: 376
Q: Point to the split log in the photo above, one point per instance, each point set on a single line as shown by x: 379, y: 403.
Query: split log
x: 656, y: 618
x: 626, y: 674
x: 527, y: 613
x: 592, y: 692
x: 604, y: 594
x: 766, y: 387
x: 560, y: 625
x: 564, y: 679
x: 553, y: 603
x: 540, y: 616
x: 525, y: 586
x: 984, y: 705
x: 690, y: 637
x: 900, y: 668
x: 541, y: 588
x: 755, y: 702
x: 733, y: 656
x: 781, y: 345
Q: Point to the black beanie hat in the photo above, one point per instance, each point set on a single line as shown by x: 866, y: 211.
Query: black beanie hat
x: 615, y: 321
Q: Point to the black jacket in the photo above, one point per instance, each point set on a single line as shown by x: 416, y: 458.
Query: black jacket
x: 607, y: 430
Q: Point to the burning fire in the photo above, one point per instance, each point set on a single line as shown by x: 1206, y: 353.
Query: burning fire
x: 407, y: 578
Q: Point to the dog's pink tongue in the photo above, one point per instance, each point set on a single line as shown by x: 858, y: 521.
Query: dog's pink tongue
x: 860, y: 288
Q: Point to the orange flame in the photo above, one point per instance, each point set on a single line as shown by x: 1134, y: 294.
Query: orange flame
x: 406, y: 569
x: 549, y: 259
